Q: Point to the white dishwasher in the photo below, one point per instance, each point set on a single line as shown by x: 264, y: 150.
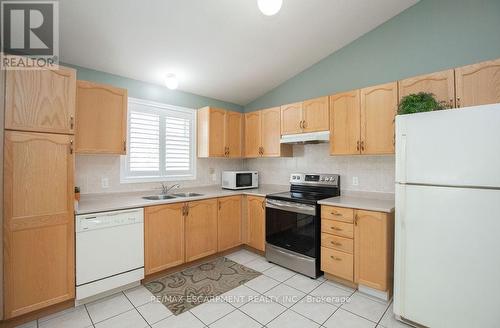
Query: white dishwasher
x: 109, y: 251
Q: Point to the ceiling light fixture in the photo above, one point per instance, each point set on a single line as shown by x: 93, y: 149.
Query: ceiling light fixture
x: 171, y: 81
x: 269, y: 7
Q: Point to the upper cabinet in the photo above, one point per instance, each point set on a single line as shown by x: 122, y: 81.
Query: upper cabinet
x: 441, y: 84
x: 291, y: 118
x: 219, y: 133
x: 101, y: 126
x: 308, y: 116
x: 40, y: 100
x: 362, y: 121
x: 262, y: 137
x: 345, y: 116
x: 378, y: 110
x: 478, y: 84
x: 315, y: 114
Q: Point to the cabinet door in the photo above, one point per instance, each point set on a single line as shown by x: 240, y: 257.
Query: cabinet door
x: 478, y: 84
x: 316, y: 114
x: 372, y: 249
x: 345, y: 113
x: 378, y: 110
x: 40, y: 100
x: 217, y: 119
x: 271, y: 146
x: 163, y: 237
x: 256, y: 214
x: 252, y: 134
x: 291, y: 118
x: 38, y: 225
x: 233, y: 134
x: 229, y: 222
x: 101, y: 119
x: 201, y: 229
x: 441, y: 84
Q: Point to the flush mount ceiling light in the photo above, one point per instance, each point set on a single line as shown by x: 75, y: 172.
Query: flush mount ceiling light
x: 171, y: 81
x: 269, y: 7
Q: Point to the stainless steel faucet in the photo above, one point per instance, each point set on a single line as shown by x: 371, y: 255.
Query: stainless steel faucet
x: 165, y: 189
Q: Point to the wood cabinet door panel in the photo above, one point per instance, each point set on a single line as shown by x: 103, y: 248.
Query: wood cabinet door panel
x: 201, y: 229
x: 229, y: 223
x: 38, y: 221
x: 256, y: 226
x: 40, y: 100
x: 252, y: 134
x: 233, y: 134
x: 345, y: 125
x: 217, y: 119
x: 101, y: 119
x: 441, y: 84
x: 163, y: 237
x: 378, y: 110
x: 316, y: 114
x: 478, y: 84
x: 371, y: 248
x: 291, y: 118
x: 271, y: 132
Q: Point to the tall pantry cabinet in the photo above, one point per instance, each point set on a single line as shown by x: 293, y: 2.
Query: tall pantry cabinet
x: 38, y: 229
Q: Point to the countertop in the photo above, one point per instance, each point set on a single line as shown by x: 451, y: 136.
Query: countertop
x: 370, y: 201
x: 92, y: 203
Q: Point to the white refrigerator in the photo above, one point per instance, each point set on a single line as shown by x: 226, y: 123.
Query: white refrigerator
x: 447, y: 238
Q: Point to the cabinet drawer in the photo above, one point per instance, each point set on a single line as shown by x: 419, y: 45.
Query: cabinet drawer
x: 338, y: 228
x: 337, y: 263
x: 337, y: 213
x: 338, y: 243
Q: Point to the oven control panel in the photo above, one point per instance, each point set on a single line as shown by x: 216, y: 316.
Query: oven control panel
x: 317, y: 179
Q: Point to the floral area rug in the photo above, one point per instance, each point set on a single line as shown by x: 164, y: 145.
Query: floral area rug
x: 182, y: 291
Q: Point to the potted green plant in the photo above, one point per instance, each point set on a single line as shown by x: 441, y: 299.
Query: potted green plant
x: 419, y: 102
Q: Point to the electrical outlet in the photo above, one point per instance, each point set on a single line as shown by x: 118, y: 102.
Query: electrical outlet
x: 355, y: 181
x: 104, y: 182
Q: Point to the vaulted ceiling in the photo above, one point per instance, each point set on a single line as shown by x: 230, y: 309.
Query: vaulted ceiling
x: 224, y: 49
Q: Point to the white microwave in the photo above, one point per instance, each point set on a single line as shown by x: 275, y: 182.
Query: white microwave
x: 240, y: 179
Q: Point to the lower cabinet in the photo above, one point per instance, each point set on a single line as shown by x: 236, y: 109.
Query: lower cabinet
x: 357, y: 246
x: 374, y: 249
x: 38, y: 227
x: 229, y: 223
x: 201, y: 229
x: 163, y: 237
x: 256, y: 223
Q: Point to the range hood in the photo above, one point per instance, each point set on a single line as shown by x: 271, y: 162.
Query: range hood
x: 306, y: 138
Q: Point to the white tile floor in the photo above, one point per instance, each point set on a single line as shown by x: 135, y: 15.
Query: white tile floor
x: 278, y: 298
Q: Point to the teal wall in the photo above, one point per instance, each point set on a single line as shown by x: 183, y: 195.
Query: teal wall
x: 153, y: 92
x: 430, y: 36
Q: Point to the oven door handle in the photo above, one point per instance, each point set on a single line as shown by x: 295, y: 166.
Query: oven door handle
x: 291, y: 207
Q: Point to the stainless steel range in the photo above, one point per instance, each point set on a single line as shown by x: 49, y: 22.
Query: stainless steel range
x: 293, y: 222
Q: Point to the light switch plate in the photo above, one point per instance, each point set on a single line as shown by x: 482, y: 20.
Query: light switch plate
x: 355, y: 181
x: 104, y: 182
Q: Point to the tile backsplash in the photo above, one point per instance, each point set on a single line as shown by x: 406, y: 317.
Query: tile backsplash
x: 374, y: 173
x: 91, y: 169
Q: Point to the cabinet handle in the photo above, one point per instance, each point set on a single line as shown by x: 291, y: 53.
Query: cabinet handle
x: 335, y: 258
x: 300, y: 124
x: 125, y: 145
x: 219, y: 205
x: 336, y: 214
x: 304, y: 124
x: 458, y: 102
x: 362, y: 146
x: 263, y: 205
x: 451, y: 103
x: 356, y: 220
x: 71, y: 146
x: 357, y: 145
x: 335, y: 228
x: 71, y: 122
x: 336, y: 244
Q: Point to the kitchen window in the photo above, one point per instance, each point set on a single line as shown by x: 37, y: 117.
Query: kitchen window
x: 160, y: 143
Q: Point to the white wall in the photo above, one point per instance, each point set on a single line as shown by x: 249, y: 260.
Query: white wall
x: 91, y: 168
x: 375, y: 173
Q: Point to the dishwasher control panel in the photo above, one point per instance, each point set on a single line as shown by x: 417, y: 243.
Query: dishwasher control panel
x: 103, y: 220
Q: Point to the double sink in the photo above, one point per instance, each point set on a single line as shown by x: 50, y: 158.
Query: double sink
x: 179, y: 195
